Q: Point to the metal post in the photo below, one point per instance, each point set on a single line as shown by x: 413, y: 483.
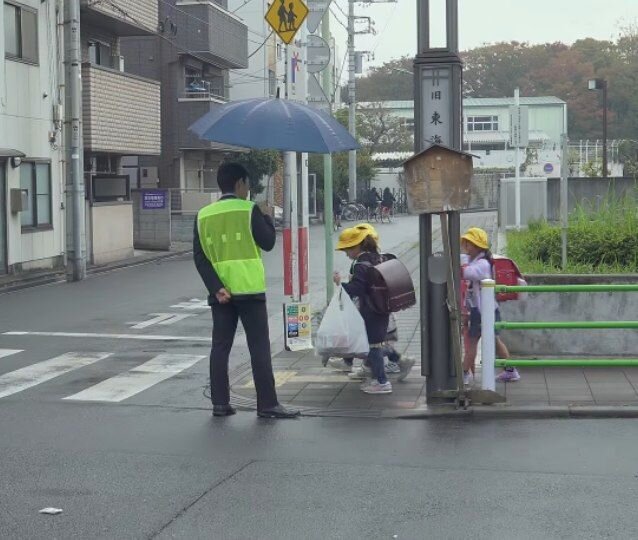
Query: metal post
x: 304, y: 230
x: 437, y: 73
x: 291, y: 237
x: 75, y: 177
x: 488, y: 338
x: 327, y: 174
x: 425, y: 252
x: 605, y: 171
x: 352, y: 126
x: 564, y: 193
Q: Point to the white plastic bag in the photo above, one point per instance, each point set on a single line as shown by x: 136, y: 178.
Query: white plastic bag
x: 342, y: 331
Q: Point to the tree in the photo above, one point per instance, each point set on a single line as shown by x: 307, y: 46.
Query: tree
x: 391, y: 81
x: 550, y: 69
x: 380, y: 131
x: 258, y: 163
x: 366, y: 169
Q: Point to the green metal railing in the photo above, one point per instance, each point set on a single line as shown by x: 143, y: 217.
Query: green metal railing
x: 565, y: 288
x: 488, y: 292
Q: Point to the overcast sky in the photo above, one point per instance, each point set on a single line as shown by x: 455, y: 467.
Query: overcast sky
x: 489, y: 21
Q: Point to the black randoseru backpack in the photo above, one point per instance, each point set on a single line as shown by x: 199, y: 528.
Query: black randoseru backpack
x: 391, y: 286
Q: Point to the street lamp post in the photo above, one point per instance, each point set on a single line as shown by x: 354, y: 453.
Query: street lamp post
x: 601, y: 84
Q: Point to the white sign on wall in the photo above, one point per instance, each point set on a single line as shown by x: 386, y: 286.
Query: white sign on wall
x: 519, y: 126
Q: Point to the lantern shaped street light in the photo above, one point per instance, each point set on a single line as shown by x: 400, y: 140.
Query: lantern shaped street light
x: 601, y: 84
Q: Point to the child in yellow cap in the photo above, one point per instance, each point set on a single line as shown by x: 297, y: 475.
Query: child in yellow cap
x: 360, y: 245
x: 477, y: 266
x: 397, y: 364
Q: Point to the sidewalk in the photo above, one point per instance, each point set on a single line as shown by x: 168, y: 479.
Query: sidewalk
x: 302, y: 382
x: 15, y: 282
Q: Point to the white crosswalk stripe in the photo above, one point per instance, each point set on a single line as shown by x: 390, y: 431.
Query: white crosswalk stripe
x: 138, y: 379
x: 9, y: 352
x: 27, y: 377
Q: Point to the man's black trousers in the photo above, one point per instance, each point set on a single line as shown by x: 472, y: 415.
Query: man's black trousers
x: 254, y: 319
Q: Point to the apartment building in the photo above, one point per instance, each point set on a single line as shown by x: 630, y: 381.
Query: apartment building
x: 121, y: 110
x: 32, y: 227
x: 198, y: 42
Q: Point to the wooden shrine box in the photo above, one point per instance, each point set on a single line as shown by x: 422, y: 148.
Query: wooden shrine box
x: 438, y: 180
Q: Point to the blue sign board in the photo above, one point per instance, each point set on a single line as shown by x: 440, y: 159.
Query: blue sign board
x: 154, y: 199
x: 548, y: 167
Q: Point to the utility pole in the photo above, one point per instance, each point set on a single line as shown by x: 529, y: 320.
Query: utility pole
x: 76, y: 249
x: 352, y: 96
x: 352, y: 109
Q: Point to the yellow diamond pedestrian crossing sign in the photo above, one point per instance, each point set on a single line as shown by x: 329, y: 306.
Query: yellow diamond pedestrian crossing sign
x: 285, y: 17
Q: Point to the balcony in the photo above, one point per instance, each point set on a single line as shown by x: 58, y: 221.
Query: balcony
x: 122, y: 17
x: 121, y: 112
x: 212, y: 33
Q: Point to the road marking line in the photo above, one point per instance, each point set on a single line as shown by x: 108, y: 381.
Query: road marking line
x: 141, y: 337
x: 21, y: 379
x: 9, y: 352
x: 138, y: 379
x: 281, y: 377
x: 160, y: 318
x: 193, y: 304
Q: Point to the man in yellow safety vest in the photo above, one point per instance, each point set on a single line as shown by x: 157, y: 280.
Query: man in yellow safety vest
x: 228, y: 239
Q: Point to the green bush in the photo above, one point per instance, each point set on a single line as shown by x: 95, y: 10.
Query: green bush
x: 599, y: 240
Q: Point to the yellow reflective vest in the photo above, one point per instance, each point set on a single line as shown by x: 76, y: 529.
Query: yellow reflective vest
x: 225, y: 235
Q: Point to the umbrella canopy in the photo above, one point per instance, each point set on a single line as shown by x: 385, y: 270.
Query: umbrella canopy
x: 276, y: 124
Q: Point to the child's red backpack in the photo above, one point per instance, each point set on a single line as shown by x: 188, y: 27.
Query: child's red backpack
x: 507, y: 273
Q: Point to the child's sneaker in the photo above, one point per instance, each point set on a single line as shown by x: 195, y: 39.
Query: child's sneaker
x: 509, y: 375
x: 392, y: 367
x: 405, y: 366
x: 467, y: 378
x: 360, y: 373
x: 339, y: 364
x: 375, y: 387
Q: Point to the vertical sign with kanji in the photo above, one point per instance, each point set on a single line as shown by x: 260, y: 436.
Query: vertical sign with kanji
x: 437, y: 123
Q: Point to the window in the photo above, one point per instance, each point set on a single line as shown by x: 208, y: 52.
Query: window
x: 100, y: 54
x: 20, y: 33
x: 35, y: 181
x: 482, y: 123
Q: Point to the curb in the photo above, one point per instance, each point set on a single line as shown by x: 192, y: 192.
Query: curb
x: 59, y: 277
x: 524, y: 412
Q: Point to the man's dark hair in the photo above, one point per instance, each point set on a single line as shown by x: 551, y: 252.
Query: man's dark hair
x: 229, y: 174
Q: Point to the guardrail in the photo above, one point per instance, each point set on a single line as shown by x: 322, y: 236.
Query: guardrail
x: 489, y: 326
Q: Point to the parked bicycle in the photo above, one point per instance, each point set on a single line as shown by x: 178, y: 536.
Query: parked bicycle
x: 354, y: 212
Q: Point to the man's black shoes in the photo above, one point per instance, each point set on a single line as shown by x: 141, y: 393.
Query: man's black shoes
x: 223, y: 410
x: 278, y: 412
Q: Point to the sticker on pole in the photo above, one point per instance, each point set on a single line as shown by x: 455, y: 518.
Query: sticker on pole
x: 298, y: 326
x: 285, y: 17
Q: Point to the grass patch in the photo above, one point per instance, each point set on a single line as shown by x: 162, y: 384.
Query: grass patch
x: 602, y: 240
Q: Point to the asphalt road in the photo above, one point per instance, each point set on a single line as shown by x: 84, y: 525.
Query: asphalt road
x: 102, y: 415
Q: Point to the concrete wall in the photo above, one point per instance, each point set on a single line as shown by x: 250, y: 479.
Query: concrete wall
x: 111, y: 232
x: 151, y: 226
x: 182, y: 227
x: 588, y: 192
x: 573, y: 307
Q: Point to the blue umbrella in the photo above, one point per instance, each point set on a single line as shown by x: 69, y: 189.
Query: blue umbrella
x: 275, y: 124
